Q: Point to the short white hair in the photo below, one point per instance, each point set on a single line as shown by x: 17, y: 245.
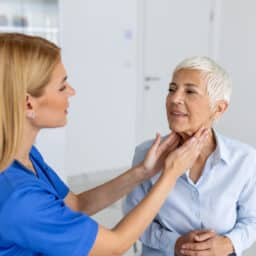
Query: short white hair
x: 219, y: 84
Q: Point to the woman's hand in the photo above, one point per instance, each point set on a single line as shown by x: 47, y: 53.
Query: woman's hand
x: 214, y: 246
x: 154, y: 159
x: 192, y: 238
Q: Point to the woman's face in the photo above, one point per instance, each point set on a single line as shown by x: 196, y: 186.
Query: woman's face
x: 51, y: 108
x: 188, y: 104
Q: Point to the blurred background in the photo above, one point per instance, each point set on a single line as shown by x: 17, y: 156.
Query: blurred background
x: 119, y: 55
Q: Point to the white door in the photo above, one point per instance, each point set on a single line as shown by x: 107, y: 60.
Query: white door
x: 172, y: 30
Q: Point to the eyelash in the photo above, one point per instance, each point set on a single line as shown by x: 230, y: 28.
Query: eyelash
x: 188, y: 91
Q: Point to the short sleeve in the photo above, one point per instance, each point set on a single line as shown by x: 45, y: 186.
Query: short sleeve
x: 38, y: 220
x: 60, y: 187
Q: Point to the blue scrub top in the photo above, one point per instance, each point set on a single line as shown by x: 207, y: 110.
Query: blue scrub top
x: 34, y: 220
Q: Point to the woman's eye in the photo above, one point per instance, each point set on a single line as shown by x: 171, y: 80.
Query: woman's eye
x: 190, y: 92
x: 171, y: 89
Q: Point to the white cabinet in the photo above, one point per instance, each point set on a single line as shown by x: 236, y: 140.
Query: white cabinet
x: 39, y: 17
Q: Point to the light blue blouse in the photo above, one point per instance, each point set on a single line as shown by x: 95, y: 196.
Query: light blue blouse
x: 223, y: 199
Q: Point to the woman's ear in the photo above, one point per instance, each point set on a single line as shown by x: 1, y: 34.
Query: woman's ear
x: 220, y: 107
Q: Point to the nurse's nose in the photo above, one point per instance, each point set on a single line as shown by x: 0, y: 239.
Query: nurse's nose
x: 71, y: 90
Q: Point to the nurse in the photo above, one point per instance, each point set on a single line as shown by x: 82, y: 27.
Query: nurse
x: 39, y: 215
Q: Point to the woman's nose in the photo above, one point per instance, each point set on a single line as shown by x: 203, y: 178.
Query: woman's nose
x: 178, y: 97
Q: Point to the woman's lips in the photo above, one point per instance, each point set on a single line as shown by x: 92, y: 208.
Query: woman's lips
x: 178, y: 114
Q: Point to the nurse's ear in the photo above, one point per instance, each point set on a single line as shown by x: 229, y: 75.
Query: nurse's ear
x: 219, y: 108
x: 30, y: 106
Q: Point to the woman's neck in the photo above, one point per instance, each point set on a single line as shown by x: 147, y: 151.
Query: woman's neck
x: 209, y: 147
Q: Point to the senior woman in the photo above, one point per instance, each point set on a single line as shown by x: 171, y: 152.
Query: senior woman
x: 218, y: 192
x: 39, y: 215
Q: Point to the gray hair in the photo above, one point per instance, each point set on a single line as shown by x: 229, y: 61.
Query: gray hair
x: 219, y: 84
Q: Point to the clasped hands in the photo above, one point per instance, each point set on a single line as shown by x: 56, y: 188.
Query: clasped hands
x: 203, y: 243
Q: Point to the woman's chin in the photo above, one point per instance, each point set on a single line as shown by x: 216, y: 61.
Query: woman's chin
x: 183, y: 132
x: 178, y: 129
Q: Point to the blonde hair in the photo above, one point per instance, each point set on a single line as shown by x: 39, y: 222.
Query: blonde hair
x: 219, y: 84
x: 26, y: 66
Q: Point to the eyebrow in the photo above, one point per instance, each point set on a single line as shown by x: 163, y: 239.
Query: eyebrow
x: 187, y: 84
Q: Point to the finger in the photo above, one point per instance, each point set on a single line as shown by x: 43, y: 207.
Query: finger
x: 189, y: 146
x: 169, y: 143
x: 196, y: 142
x: 202, y: 138
x: 186, y: 252
x: 164, y: 155
x: 156, y: 143
x: 204, y: 236
x: 180, y: 159
x: 200, y: 231
x: 167, y: 149
x: 199, y: 132
x: 184, y: 157
x: 198, y: 246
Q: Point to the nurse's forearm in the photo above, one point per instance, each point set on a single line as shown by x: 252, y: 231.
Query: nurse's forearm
x: 120, y: 238
x: 96, y: 199
x: 144, y: 213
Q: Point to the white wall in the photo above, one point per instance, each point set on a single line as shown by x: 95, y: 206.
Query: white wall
x: 236, y: 51
x: 99, y: 50
x: 166, y: 40
x: 99, y: 41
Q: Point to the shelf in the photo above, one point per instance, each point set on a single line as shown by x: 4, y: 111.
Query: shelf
x: 53, y: 30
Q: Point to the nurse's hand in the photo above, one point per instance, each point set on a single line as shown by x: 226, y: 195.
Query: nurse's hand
x: 184, y: 157
x: 155, y: 158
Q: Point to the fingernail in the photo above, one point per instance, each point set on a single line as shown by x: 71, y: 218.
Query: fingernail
x: 206, y: 133
x: 193, y: 140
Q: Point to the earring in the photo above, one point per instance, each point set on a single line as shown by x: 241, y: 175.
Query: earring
x: 31, y: 115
